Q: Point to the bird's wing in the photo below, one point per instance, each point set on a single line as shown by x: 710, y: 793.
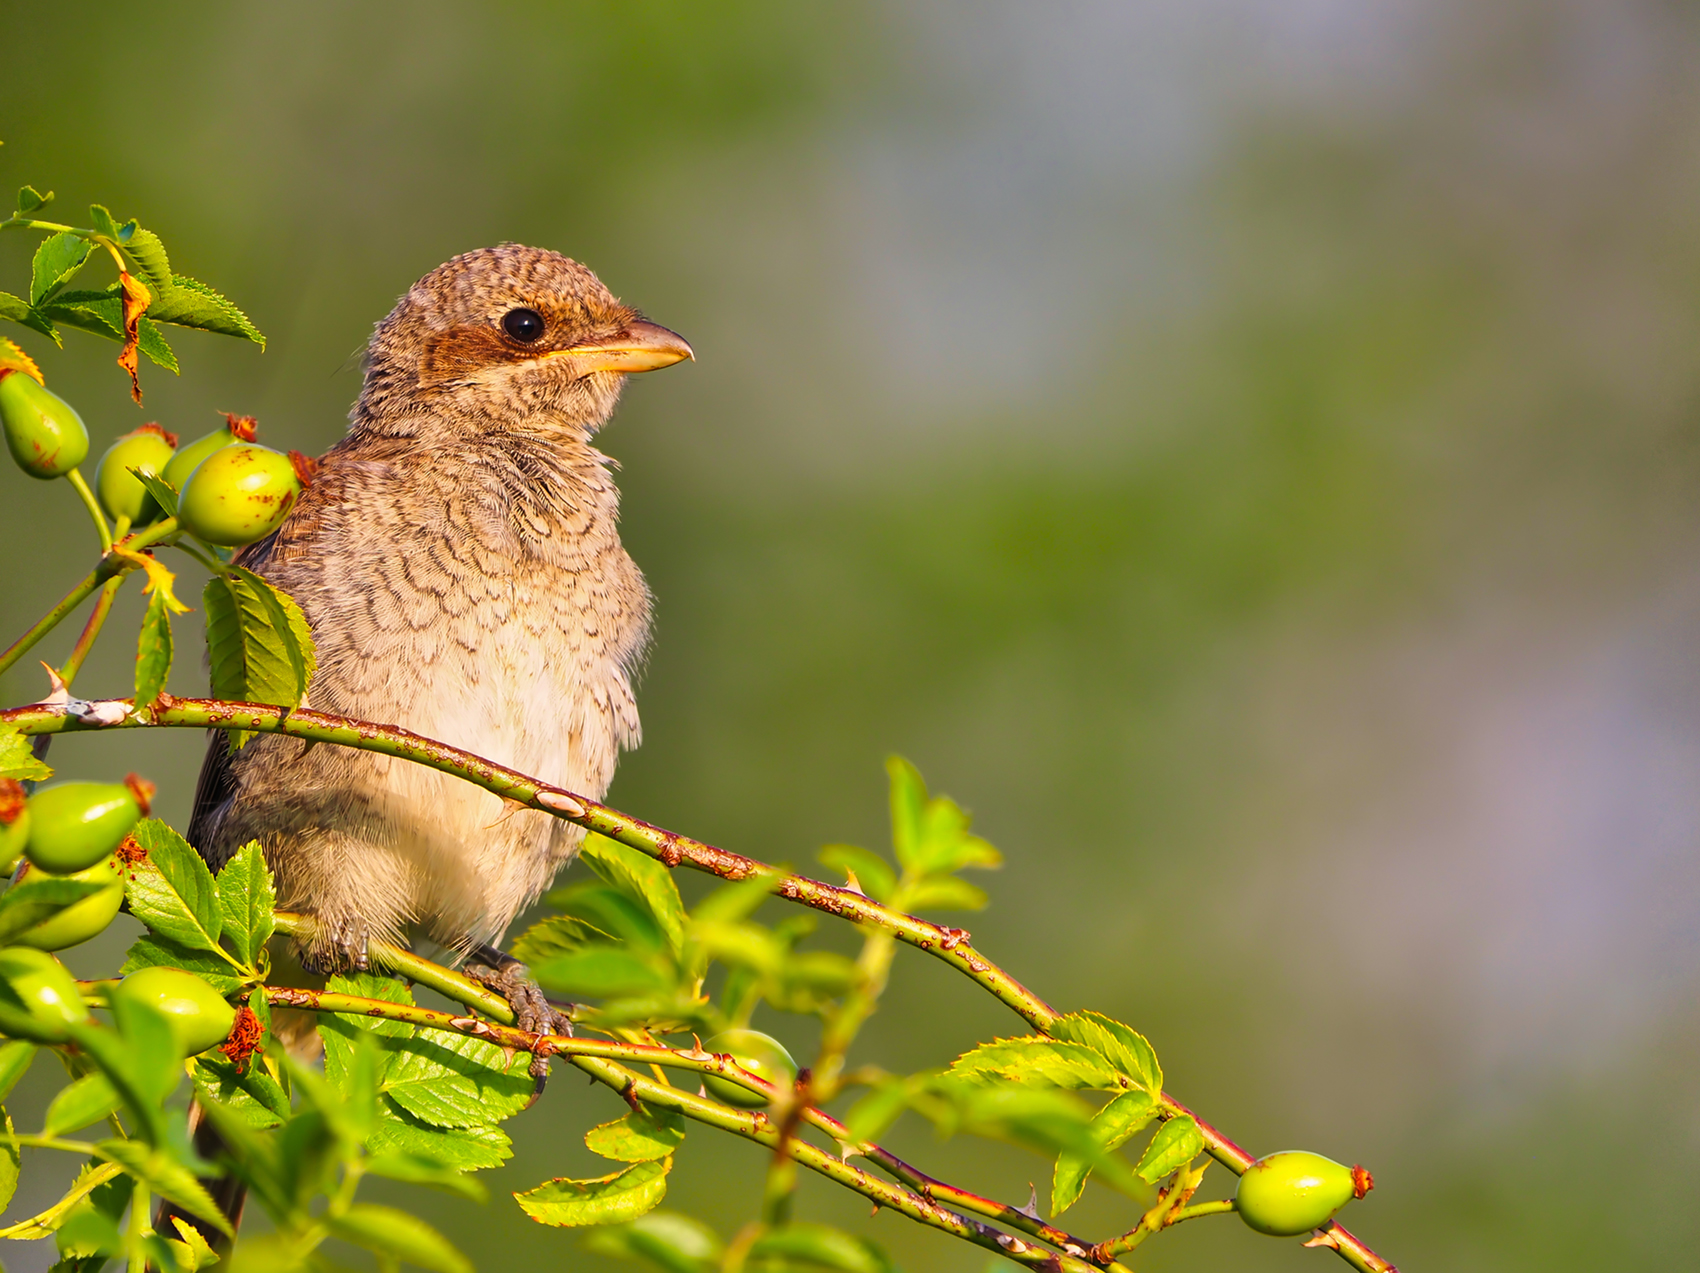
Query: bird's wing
x: 214, y: 791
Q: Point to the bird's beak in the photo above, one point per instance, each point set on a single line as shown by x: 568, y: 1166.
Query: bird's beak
x: 640, y: 347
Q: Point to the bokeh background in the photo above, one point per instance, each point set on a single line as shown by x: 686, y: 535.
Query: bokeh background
x: 1244, y: 451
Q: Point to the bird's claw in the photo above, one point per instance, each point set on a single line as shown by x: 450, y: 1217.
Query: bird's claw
x: 533, y: 1013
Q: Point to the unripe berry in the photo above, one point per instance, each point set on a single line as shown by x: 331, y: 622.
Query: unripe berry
x: 83, y: 919
x: 199, y: 1016
x: 122, y: 494
x: 73, y: 825
x: 40, y: 985
x: 237, y: 428
x: 238, y: 494
x: 760, y: 1054
x: 1293, y: 1192
x: 44, y: 432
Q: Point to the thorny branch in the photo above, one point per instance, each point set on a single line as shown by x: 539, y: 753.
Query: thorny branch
x: 952, y: 945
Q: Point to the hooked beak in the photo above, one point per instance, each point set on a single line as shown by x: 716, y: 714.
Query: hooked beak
x: 640, y: 347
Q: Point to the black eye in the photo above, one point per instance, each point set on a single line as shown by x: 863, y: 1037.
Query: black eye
x: 523, y: 324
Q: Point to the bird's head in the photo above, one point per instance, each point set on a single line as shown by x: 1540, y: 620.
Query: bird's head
x: 507, y: 335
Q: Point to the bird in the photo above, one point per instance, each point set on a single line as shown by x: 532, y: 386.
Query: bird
x: 457, y: 558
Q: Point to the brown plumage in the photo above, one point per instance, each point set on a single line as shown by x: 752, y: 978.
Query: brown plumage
x: 459, y: 561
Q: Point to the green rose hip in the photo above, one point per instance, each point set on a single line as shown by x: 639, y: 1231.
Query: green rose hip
x: 1293, y: 1192
x: 199, y: 1016
x: 122, y: 494
x: 760, y: 1054
x: 239, y: 494
x: 83, y: 919
x: 73, y: 825
x: 38, y: 984
x: 44, y: 432
x: 237, y: 428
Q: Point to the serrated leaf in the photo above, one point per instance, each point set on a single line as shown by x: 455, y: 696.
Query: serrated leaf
x: 172, y: 891
x: 13, y: 358
x: 1176, y: 1143
x: 32, y: 200
x: 873, y: 874
x: 102, y: 221
x: 246, y: 897
x: 642, y: 877
x: 163, y: 492
x: 556, y: 935
x: 341, y: 1031
x: 19, y: 310
x: 193, y: 1252
x: 88, y: 1100
x: 17, y: 757
x: 600, y: 972
x: 1035, y: 1061
x: 145, y: 249
x: 464, y: 1148
x: 614, y: 1199
x: 455, y: 1080
x: 10, y: 1161
x: 153, y: 650
x: 944, y: 893
x: 166, y: 1177
x: 398, y: 1235
x: 37, y: 897
x: 674, y: 1242
x: 252, y: 1093
x: 149, y: 951
x: 258, y: 643
x: 56, y: 262
x: 908, y: 800
x: 821, y: 1246
x: 1112, y: 1127
x: 190, y: 303
x: 1121, y: 1045
x: 638, y: 1137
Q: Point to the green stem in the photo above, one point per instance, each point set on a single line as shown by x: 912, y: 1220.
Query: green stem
x: 53, y: 1142
x: 91, y: 630
x: 138, y: 1228
x: 1220, y: 1207
x: 93, y: 505
x: 951, y: 945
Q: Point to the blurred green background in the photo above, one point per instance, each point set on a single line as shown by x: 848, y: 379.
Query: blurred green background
x: 1245, y: 452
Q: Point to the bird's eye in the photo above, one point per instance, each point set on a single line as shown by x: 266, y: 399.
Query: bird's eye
x: 523, y: 324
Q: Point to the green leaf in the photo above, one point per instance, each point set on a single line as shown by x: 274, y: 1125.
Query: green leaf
x: 10, y: 1161
x: 245, y: 896
x: 614, y: 1199
x: 908, y: 799
x: 166, y: 1177
x: 17, y: 759
x: 32, y: 200
x: 600, y: 972
x: 823, y: 1247
x: 873, y: 873
x: 1035, y: 1061
x: 258, y: 643
x: 464, y: 1148
x: 739, y: 945
x: 1112, y: 1127
x: 149, y: 951
x: 98, y: 313
x: 625, y: 918
x: 189, y: 303
x: 642, y: 877
x: 88, y: 1100
x: 1121, y: 1045
x: 172, y: 891
x: 638, y: 1137
x: 153, y: 650
x: 396, y: 1234
x: 193, y: 1252
x: 556, y: 935
x: 677, y: 1243
x: 151, y: 341
x: 455, y: 1080
x: 426, y: 1171
x: 145, y: 249
x: 56, y: 261
x: 19, y: 310
x: 102, y: 221
x: 39, y: 897
x: 944, y: 893
x: 945, y: 844
x: 872, y: 1116
x: 340, y: 1031
x: 163, y: 492
x: 15, y: 1059
x: 1176, y: 1143
x: 87, y: 1231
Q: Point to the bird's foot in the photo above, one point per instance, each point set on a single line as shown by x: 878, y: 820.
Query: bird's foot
x: 533, y: 1012
x: 334, y: 946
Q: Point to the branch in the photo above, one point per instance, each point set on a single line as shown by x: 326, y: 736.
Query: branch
x: 952, y: 945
